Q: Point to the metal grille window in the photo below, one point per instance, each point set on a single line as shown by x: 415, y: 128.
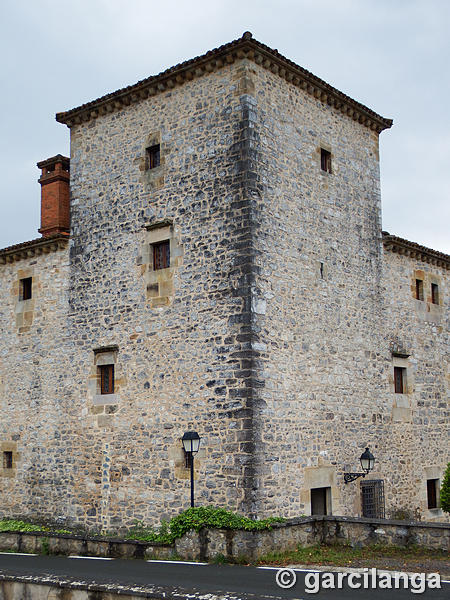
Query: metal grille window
x: 325, y: 160
x: 161, y: 255
x: 153, y: 157
x: 399, y: 380
x: 372, y: 498
x: 7, y: 460
x: 106, y: 379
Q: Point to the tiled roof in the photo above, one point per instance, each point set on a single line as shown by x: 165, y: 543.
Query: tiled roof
x: 405, y: 247
x: 244, y: 47
x: 42, y: 245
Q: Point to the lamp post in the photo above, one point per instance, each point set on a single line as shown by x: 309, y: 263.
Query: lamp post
x: 191, y: 444
x: 367, y: 460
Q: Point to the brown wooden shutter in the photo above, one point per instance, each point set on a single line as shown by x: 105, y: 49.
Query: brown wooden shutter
x: 398, y: 380
x: 107, y: 379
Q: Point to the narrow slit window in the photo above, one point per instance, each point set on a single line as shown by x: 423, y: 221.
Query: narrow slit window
x: 161, y: 255
x: 7, y: 459
x: 106, y: 379
x: 434, y: 293
x: 399, y: 380
x: 153, y: 157
x: 26, y: 288
x: 432, y: 492
x: 325, y: 160
x: 419, y: 289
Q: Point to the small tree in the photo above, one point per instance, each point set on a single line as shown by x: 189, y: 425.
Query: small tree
x: 445, y: 490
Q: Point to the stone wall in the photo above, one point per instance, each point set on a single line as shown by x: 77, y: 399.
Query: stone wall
x: 33, y: 385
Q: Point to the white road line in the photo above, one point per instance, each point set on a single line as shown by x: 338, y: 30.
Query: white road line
x: 177, y: 562
x: 19, y: 554
x: 91, y: 557
x: 298, y: 570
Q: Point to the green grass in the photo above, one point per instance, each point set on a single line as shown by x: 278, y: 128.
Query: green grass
x: 344, y: 555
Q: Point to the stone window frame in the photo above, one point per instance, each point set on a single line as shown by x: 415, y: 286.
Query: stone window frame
x: 103, y: 356
x: 401, y: 361
x: 24, y: 308
x: 433, y: 484
x: 25, y: 289
x: 152, y: 176
x: 432, y: 473
x: 9, y: 447
x: 159, y: 283
x: 325, y: 149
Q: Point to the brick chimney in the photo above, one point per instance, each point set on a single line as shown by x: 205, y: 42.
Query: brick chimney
x: 55, y: 195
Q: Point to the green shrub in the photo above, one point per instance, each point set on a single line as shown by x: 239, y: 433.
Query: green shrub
x: 445, y: 490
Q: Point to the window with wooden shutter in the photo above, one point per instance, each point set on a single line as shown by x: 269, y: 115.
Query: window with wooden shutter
x: 26, y: 288
x: 161, y: 255
x: 399, y: 380
x: 325, y: 160
x: 419, y: 289
x: 434, y: 293
x: 106, y: 379
x: 7, y: 459
x: 153, y: 156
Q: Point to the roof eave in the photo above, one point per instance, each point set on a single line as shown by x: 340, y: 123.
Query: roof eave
x: 244, y: 47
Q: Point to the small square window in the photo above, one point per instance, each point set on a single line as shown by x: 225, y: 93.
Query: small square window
x: 153, y: 157
x: 434, y: 293
x: 419, y: 289
x: 325, y: 160
x: 26, y: 288
x: 106, y: 379
x: 400, y: 380
x: 161, y: 255
x: 7, y: 459
x: 432, y: 492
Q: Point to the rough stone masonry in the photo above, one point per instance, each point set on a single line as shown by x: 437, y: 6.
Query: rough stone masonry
x: 225, y: 272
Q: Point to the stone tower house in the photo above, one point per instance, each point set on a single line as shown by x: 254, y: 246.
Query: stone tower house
x: 226, y: 272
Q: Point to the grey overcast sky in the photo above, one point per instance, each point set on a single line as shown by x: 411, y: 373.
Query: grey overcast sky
x: 391, y: 55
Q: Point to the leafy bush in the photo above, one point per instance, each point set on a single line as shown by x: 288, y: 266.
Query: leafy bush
x: 11, y: 525
x: 445, y: 490
x: 196, y: 519
x: 212, y: 517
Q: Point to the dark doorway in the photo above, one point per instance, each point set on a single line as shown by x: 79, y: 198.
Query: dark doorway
x: 321, y: 501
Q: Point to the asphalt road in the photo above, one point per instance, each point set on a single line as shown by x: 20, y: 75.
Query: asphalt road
x: 239, y: 582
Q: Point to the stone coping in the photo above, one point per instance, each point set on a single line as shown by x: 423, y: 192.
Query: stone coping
x: 362, y: 520
x: 244, y: 47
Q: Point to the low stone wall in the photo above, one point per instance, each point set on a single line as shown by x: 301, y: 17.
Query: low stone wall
x: 312, y: 530
x: 252, y: 545
x: 49, y: 588
x: 46, y: 543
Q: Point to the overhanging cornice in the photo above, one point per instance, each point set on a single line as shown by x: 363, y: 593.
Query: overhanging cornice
x: 244, y: 47
x: 43, y: 245
x: 413, y: 250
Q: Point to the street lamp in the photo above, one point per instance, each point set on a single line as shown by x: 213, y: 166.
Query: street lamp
x: 191, y: 444
x: 367, y: 460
